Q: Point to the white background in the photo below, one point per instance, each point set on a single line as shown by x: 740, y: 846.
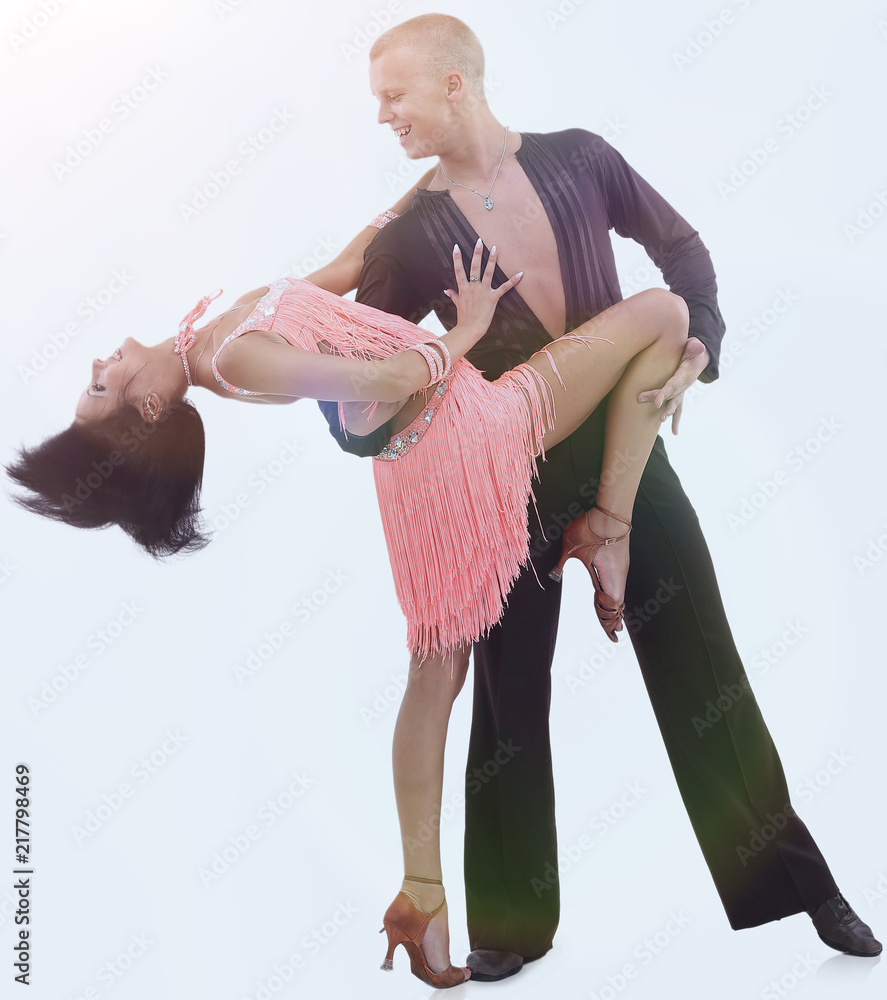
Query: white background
x: 323, y: 706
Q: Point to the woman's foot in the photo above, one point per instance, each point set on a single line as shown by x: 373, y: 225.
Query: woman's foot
x: 427, y: 941
x: 600, y: 540
x: 436, y: 943
x: 610, y: 561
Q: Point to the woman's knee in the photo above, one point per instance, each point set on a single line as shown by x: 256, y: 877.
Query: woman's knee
x: 459, y: 667
x: 669, y: 315
x: 442, y: 671
x: 680, y: 314
x: 673, y: 311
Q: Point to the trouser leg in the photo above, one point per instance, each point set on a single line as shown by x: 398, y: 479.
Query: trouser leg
x: 763, y: 860
x: 511, y: 884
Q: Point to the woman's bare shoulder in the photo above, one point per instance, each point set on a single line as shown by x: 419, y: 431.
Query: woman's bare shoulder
x: 252, y: 296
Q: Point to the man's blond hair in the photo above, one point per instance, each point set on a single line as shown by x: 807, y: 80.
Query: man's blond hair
x: 444, y: 43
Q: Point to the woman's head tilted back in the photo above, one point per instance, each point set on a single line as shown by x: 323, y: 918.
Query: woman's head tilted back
x: 132, y: 457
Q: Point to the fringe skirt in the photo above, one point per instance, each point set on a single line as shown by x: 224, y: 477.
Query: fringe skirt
x: 454, y: 504
x: 453, y: 490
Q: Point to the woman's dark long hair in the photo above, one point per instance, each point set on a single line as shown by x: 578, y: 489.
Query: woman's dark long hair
x: 146, y: 478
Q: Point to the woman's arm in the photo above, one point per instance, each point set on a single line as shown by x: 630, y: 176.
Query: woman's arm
x: 270, y: 367
x: 342, y: 273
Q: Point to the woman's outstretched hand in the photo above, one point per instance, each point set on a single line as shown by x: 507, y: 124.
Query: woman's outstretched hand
x: 474, y: 297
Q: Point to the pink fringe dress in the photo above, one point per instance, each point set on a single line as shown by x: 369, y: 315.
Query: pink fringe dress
x: 453, y: 486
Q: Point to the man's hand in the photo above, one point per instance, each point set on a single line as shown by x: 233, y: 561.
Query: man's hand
x: 693, y: 362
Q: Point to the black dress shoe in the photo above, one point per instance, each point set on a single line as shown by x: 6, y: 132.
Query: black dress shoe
x: 839, y: 927
x: 489, y: 966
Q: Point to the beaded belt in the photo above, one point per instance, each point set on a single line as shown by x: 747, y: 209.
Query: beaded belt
x: 404, y: 440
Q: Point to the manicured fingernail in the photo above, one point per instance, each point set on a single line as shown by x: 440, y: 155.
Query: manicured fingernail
x: 519, y: 274
x: 493, y: 248
x: 479, y: 243
x: 447, y: 292
x: 456, y: 248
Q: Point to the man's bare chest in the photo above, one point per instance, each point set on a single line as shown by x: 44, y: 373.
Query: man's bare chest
x: 520, y: 228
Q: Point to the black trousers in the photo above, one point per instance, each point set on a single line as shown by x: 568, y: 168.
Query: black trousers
x: 763, y: 860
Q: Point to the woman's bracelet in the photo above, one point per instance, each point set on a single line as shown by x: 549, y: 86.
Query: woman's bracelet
x: 445, y: 351
x: 382, y: 220
x: 433, y: 360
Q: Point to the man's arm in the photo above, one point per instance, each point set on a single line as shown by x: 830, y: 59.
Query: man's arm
x: 637, y: 210
x: 384, y: 285
x: 342, y: 273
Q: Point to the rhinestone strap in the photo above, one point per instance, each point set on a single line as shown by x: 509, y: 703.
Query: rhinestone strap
x: 185, y: 337
x: 382, y: 220
x: 261, y: 318
x: 412, y: 434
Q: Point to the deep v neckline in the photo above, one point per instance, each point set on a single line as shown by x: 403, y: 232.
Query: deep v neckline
x: 498, y: 273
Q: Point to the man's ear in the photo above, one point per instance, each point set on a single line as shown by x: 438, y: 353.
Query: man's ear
x: 455, y: 85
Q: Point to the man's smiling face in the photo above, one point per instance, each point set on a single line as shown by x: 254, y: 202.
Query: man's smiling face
x: 412, y: 102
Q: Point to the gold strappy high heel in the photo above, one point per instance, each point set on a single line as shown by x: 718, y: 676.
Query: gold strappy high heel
x: 407, y: 925
x: 580, y: 542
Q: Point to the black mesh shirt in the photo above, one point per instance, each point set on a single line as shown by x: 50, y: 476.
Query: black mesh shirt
x: 587, y: 189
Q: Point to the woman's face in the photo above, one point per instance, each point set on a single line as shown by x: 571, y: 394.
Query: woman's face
x: 111, y: 382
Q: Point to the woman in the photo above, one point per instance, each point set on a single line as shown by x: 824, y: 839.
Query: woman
x: 463, y: 454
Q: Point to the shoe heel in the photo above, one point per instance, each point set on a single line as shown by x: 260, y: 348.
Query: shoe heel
x: 395, y: 937
x: 407, y: 925
x: 558, y: 572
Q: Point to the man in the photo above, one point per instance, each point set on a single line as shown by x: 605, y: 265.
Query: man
x: 548, y: 201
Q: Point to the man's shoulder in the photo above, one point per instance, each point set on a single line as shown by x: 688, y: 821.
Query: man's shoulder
x: 570, y: 139
x: 405, y: 233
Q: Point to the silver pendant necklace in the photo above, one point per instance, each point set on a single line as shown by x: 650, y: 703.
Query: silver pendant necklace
x: 488, y: 201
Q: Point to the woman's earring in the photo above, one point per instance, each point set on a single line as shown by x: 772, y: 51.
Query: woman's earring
x: 150, y: 407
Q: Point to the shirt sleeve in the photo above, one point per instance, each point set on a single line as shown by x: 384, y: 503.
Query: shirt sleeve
x: 638, y: 211
x: 384, y: 286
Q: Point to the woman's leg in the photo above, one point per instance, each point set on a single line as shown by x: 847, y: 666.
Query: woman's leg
x: 648, y: 332
x: 418, y: 756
